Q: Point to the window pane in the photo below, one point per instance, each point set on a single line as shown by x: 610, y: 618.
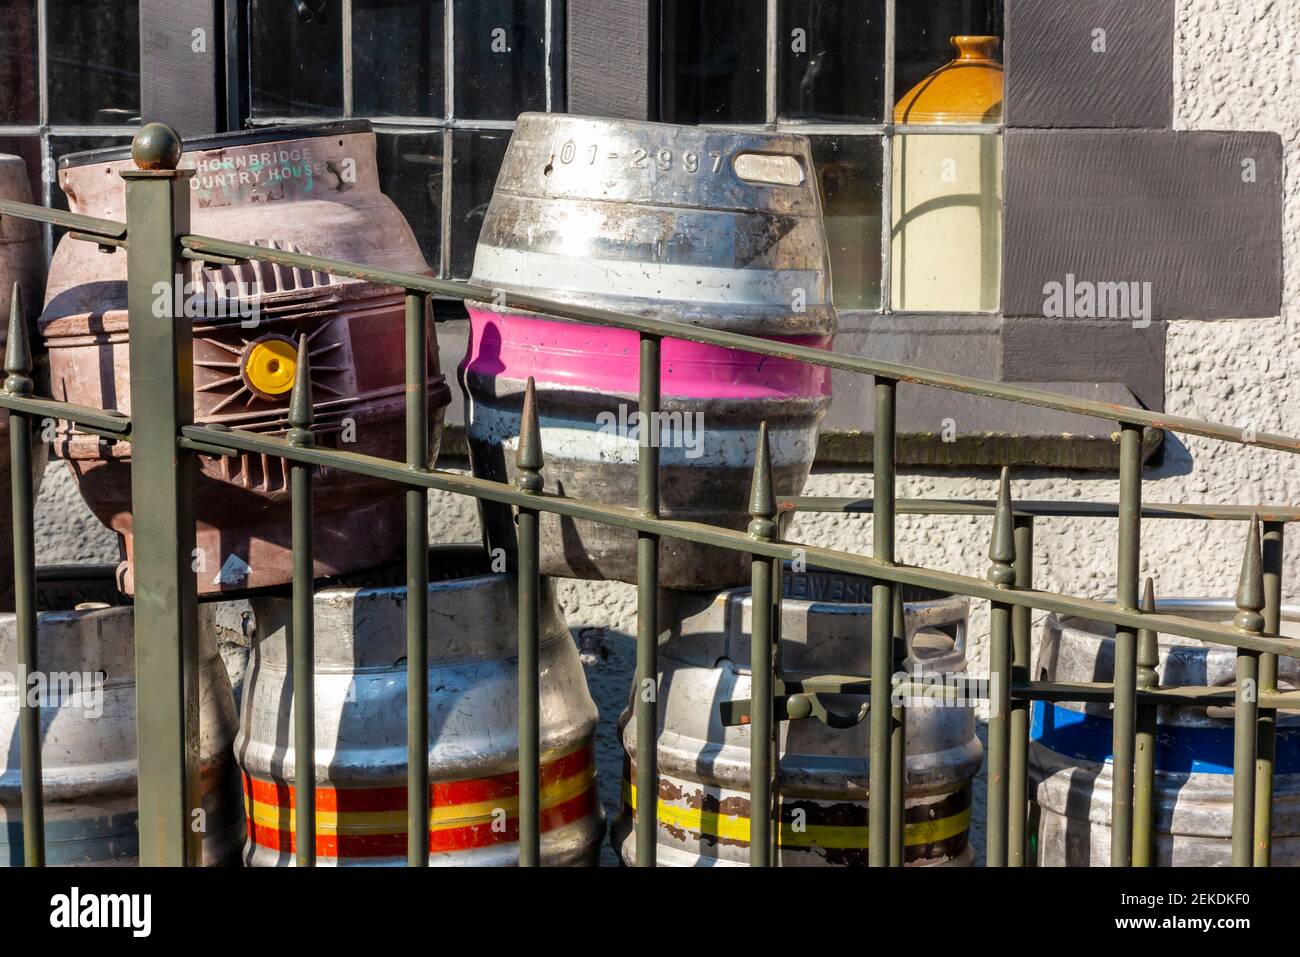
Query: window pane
x: 296, y: 58
x: 18, y: 79
x: 397, y: 57
x: 712, y: 61
x: 500, y: 58
x: 29, y: 148
x: 410, y: 174
x: 947, y: 230
x: 476, y: 160
x: 831, y: 59
x: 924, y: 29
x: 94, y: 68
x: 849, y: 173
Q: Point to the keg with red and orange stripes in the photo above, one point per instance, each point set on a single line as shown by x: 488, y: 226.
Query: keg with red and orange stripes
x: 360, y: 700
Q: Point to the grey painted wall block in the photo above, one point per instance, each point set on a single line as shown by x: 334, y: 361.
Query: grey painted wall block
x: 609, y: 43
x: 181, y: 41
x: 1089, y: 63
x: 1131, y: 225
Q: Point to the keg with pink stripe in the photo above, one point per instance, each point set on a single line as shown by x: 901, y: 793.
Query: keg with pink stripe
x: 711, y: 227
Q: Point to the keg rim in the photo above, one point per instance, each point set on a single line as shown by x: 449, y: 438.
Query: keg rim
x: 201, y: 144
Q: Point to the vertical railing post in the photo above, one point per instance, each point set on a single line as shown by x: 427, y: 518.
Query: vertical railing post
x: 528, y: 478
x: 1125, y: 688
x: 1248, y: 620
x: 898, y: 742
x: 417, y: 587
x: 1001, y: 571
x: 1266, y: 739
x: 762, y: 528
x: 18, y: 381
x: 1144, y: 742
x: 162, y: 495
x: 304, y: 623
x: 646, y: 707
x: 1018, y: 758
x: 882, y: 623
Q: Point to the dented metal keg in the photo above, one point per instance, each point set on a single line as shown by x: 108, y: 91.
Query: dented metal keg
x: 1070, y: 752
x: 86, y: 688
x: 710, y: 227
x: 22, y: 262
x: 822, y: 790
x: 473, y: 726
x: 308, y: 189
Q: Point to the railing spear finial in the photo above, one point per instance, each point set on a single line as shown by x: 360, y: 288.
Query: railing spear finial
x: 762, y: 493
x: 18, y: 351
x: 1148, y: 649
x: 1250, y: 588
x: 528, y: 458
x: 1002, y: 548
x: 301, y: 414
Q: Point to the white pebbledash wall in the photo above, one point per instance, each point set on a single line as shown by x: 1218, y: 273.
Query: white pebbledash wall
x: 1237, y: 66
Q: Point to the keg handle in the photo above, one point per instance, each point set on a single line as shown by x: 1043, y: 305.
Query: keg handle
x: 796, y: 699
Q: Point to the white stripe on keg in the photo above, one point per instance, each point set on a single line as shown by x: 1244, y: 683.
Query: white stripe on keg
x: 680, y: 442
x: 652, y: 280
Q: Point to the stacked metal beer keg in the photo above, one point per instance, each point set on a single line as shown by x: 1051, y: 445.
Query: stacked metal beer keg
x: 86, y: 691
x: 721, y: 229
x: 1069, y: 756
x: 312, y: 189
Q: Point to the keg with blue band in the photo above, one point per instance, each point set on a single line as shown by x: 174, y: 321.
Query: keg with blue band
x: 1180, y: 749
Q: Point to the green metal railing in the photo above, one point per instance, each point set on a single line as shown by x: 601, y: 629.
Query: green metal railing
x: 165, y: 441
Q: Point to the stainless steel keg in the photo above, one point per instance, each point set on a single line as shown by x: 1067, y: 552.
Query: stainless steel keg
x: 473, y: 726
x: 703, y: 800
x: 1070, y: 751
x: 85, y: 685
x: 710, y: 227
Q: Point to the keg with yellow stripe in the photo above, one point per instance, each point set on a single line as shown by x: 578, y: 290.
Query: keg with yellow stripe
x: 360, y: 699
x: 703, y: 801
x: 85, y: 685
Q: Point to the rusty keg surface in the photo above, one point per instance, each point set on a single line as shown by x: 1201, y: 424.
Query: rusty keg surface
x: 360, y: 685
x: 310, y: 189
x: 822, y: 795
x: 87, y: 694
x: 22, y: 261
x: 1071, y: 742
x: 711, y: 227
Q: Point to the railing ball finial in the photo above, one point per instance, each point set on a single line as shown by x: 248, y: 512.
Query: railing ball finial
x: 762, y: 493
x: 1250, y: 587
x: 528, y: 458
x: 18, y: 351
x: 1002, y: 548
x: 157, y: 147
